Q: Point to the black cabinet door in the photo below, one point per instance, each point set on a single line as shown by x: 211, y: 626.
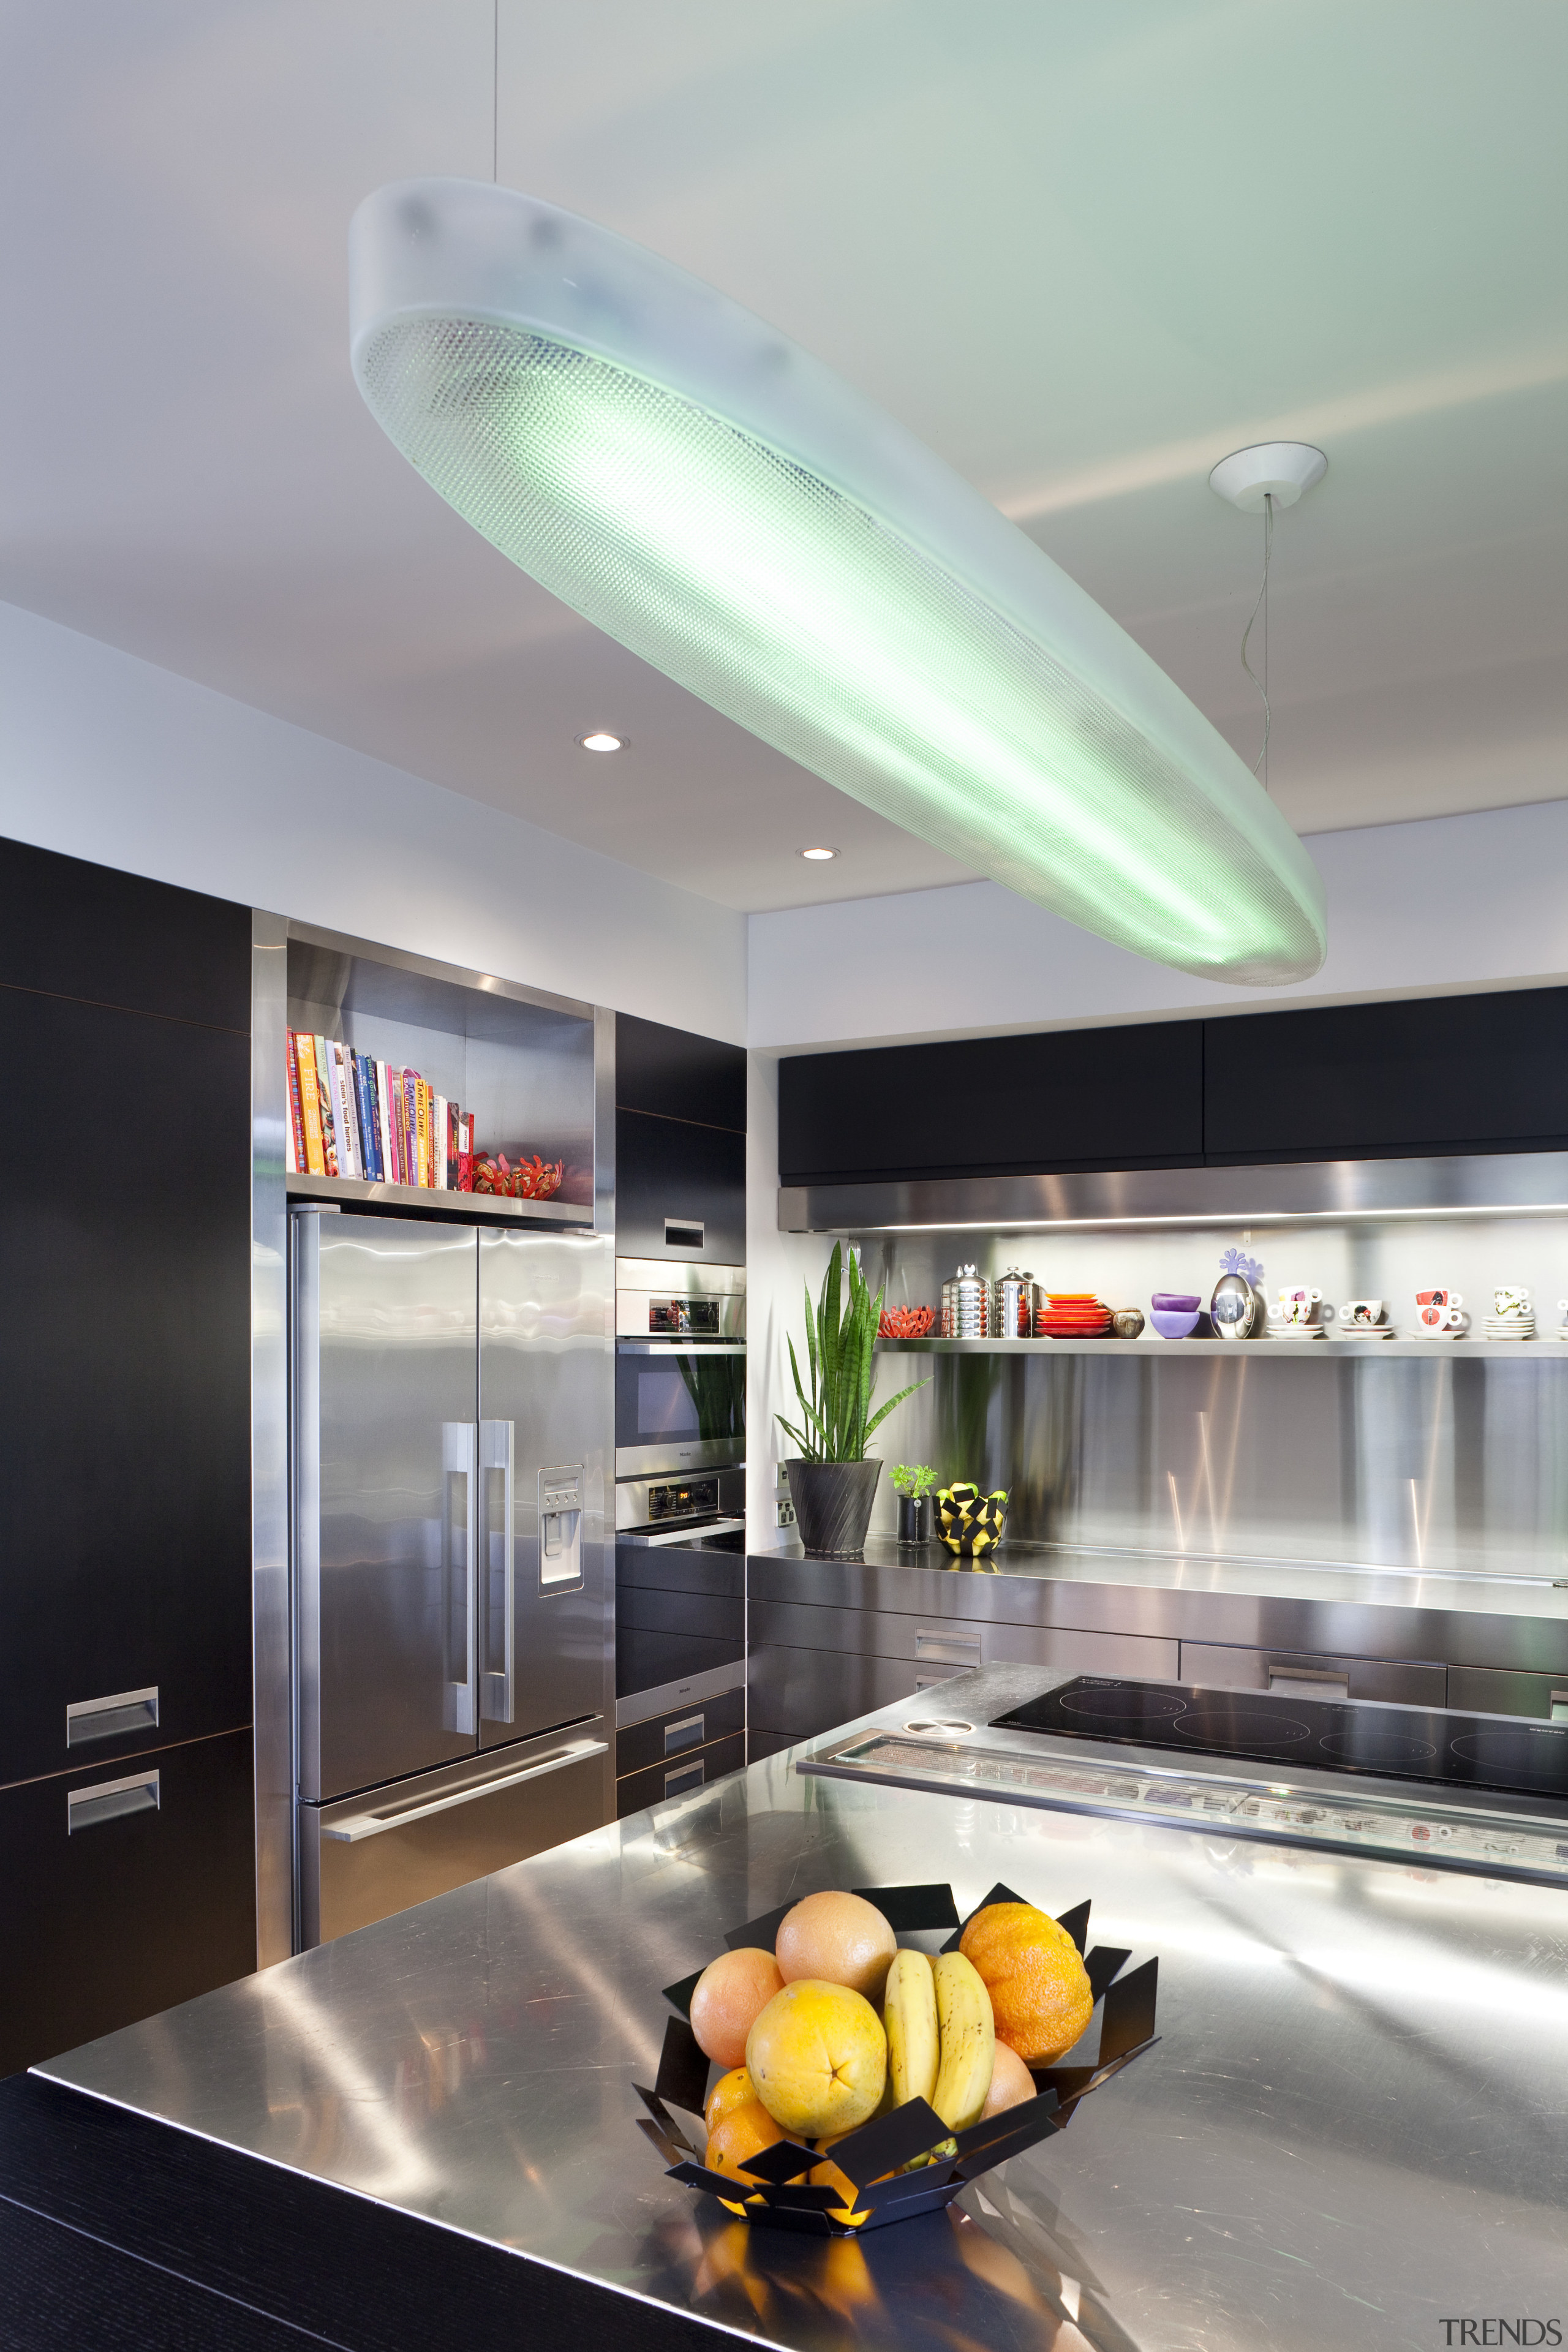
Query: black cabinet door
x: 1363, y: 1081
x: 128, y: 1899
x: 76, y: 929
x: 675, y: 1074
x: 1129, y: 1097
x: 681, y: 1191
x: 125, y: 1349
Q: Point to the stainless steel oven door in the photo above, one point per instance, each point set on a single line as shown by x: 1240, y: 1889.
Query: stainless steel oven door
x: 678, y: 1409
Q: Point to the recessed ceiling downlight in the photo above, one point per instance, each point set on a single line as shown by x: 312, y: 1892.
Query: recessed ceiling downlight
x: 717, y: 501
x: 817, y: 857
x: 601, y: 740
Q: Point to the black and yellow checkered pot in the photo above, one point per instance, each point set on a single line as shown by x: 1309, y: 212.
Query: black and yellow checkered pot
x: 969, y: 1522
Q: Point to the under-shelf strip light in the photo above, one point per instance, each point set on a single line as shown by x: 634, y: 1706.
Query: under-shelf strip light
x: 713, y: 497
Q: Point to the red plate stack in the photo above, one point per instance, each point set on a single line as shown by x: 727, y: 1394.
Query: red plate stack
x: 1072, y: 1315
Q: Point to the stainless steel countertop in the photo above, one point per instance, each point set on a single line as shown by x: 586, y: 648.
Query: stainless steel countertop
x: 1351, y: 2129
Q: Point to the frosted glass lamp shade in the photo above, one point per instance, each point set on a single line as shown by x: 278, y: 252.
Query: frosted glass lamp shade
x: 714, y: 498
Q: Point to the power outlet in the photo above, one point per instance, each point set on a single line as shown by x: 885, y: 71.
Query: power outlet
x: 787, y: 1514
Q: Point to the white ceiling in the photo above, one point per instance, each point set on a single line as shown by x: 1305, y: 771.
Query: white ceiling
x: 1083, y: 247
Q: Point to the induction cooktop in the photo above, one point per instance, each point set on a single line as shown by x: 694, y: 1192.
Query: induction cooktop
x: 1401, y: 1743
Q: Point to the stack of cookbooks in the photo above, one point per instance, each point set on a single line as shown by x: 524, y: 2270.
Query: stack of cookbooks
x: 351, y: 1116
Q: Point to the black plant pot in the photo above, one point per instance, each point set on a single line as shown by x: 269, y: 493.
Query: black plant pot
x: 914, y: 1519
x: 833, y: 1503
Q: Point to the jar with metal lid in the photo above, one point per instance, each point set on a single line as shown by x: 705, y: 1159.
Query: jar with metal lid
x: 966, y: 1305
x: 1015, y: 1297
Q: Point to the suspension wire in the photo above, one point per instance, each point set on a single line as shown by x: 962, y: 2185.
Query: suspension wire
x: 1260, y: 765
x: 495, y: 93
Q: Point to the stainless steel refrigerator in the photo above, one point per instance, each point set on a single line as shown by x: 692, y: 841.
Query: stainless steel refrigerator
x: 453, y: 1414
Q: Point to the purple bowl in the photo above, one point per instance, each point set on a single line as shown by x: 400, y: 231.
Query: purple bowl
x: 1176, y: 1302
x: 1171, y: 1324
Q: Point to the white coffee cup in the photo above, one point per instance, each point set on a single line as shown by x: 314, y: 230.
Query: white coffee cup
x: 1295, y: 1304
x: 1359, y: 1313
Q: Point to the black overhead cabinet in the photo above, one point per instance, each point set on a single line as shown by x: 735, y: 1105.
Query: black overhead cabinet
x: 126, y: 1817
x: 1427, y: 1076
x: 680, y: 1145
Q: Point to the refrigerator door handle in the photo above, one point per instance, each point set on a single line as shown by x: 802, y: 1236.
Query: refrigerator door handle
x: 497, y: 1454
x: 364, y: 1825
x: 459, y: 1577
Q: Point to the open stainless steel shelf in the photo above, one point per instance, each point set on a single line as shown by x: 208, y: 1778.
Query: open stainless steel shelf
x: 1549, y: 1347
x: 352, y: 1192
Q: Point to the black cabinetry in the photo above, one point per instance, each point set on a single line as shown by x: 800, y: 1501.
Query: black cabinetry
x: 130, y: 1885
x: 680, y: 1145
x: 1430, y: 1075
x: 125, y: 1444
x: 1422, y: 1076
x: 1130, y: 1097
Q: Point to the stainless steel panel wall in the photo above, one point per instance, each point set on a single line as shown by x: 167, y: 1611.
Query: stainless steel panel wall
x: 546, y: 1366
x: 1442, y: 1462
x: 385, y: 1376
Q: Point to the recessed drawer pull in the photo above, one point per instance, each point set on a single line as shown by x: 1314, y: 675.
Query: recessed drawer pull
x: 954, y: 1649
x: 685, y: 1777
x: 929, y: 1682
x: 113, y: 1717
x: 109, y: 1801
x: 688, y: 1733
x: 1308, y: 1682
x: 1560, y: 1707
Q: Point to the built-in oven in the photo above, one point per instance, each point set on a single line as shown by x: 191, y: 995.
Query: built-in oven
x: 681, y: 1369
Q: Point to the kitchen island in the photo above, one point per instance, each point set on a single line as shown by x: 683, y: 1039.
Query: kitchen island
x: 1349, y: 2132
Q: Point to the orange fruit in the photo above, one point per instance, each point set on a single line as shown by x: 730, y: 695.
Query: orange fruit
x: 731, y: 1994
x: 744, y: 2132
x: 839, y: 1940
x: 736, y: 2089
x: 830, y: 2176
x: 818, y: 2056
x: 1040, y: 1995
x: 1011, y: 2083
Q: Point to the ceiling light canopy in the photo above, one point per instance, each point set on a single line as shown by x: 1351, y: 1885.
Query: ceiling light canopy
x: 713, y: 497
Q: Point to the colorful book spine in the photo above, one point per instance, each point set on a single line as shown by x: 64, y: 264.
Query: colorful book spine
x: 421, y: 1130
x: 351, y: 1161
x: 364, y: 1096
x: 383, y: 1122
x: 466, y: 1152
x: 438, y: 1144
x: 325, y: 1100
x: 411, y: 1124
x: 310, y: 1104
x: 294, y: 1125
x: 454, y: 1128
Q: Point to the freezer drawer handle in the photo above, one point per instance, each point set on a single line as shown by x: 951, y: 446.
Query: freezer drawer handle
x: 113, y: 1717
x: 688, y: 1733
x: 110, y: 1800
x: 371, y: 1824
x: 497, y: 1555
x: 684, y: 1776
x: 953, y: 1648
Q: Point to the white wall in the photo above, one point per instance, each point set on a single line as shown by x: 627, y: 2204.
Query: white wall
x: 107, y: 756
x: 1447, y: 904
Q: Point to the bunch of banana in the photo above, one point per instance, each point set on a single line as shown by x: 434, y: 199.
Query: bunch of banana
x: 942, y: 2039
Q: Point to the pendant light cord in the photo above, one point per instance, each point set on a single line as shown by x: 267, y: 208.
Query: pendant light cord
x: 495, y: 93
x: 1260, y: 765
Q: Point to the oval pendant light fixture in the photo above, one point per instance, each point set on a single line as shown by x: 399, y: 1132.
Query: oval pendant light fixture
x: 717, y: 501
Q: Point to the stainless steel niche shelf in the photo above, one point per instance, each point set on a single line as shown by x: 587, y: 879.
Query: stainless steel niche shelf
x: 1550, y: 1348
x: 351, y: 1192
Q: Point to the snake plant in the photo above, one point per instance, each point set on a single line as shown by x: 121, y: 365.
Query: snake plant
x: 837, y: 1417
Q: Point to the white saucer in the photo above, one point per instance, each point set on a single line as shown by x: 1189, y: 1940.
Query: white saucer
x: 1364, y: 1331
x: 1297, y: 1331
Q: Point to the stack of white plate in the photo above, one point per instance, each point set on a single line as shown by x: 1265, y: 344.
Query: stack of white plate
x: 1511, y: 1327
x: 1365, y: 1331
x: 1297, y: 1331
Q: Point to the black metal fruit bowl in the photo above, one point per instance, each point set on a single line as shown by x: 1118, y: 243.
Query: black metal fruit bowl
x: 873, y: 2158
